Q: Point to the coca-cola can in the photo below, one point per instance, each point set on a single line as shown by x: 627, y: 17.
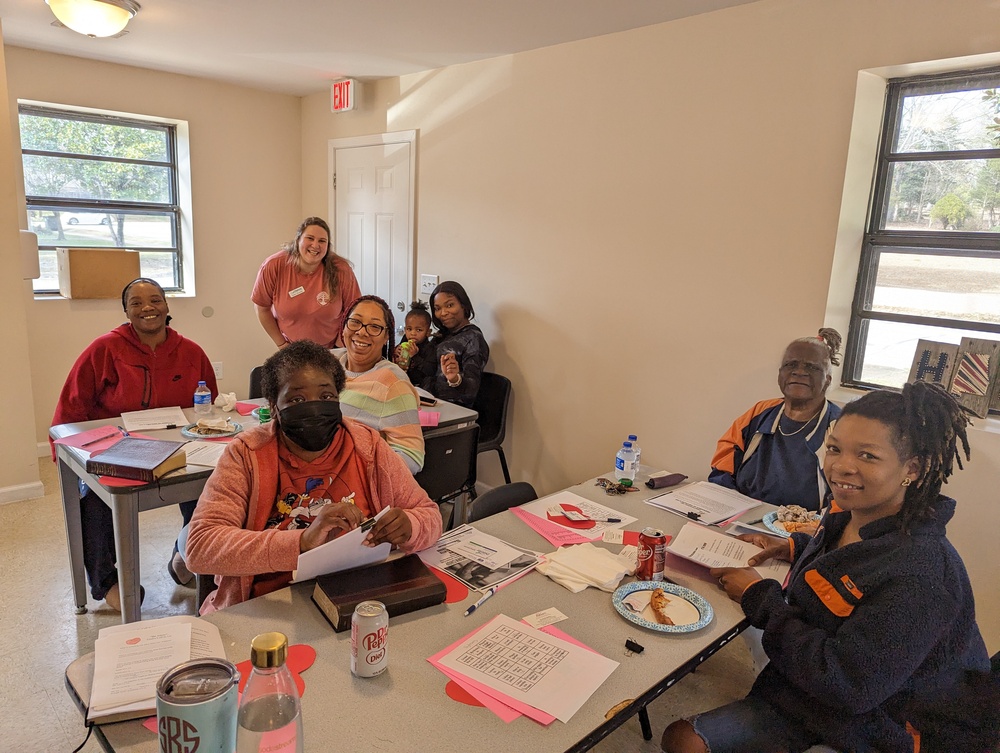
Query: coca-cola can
x: 196, y: 707
x: 369, y: 629
x: 652, y: 553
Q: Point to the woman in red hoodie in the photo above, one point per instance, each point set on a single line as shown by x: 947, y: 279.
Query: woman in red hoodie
x: 140, y: 364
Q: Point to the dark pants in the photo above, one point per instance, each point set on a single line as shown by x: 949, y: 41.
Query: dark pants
x: 99, y: 541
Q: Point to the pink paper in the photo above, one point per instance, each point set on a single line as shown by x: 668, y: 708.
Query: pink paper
x: 552, y: 532
x: 245, y: 409
x: 105, y: 436
x: 429, y: 417
x: 485, y: 694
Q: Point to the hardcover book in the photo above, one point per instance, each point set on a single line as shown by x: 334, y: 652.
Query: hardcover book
x: 139, y: 459
x: 403, y: 585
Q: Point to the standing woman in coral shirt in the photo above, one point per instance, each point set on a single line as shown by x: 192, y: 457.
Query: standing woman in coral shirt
x: 302, y: 292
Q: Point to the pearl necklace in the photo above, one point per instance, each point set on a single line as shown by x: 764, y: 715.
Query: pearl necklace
x: 792, y: 434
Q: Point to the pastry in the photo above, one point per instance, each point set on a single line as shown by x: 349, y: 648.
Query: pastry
x: 658, y: 601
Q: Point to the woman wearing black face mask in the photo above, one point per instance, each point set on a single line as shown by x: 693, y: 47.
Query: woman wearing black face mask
x: 291, y: 485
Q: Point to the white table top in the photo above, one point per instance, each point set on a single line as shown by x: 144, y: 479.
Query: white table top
x: 406, y: 709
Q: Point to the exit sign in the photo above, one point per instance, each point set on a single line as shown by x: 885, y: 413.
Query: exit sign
x: 343, y: 94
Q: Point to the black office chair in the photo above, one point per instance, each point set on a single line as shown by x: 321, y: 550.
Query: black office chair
x: 255, y: 388
x: 450, y: 465
x: 491, y: 405
x: 204, y: 585
x: 501, y: 498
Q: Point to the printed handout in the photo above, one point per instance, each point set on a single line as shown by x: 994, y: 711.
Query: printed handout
x: 344, y: 552
x: 477, y: 559
x: 705, y: 502
x: 155, y: 418
x: 712, y: 548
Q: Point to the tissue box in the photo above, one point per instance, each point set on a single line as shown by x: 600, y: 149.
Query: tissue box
x: 95, y: 272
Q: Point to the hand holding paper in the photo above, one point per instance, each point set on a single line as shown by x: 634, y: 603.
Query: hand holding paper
x: 340, y: 554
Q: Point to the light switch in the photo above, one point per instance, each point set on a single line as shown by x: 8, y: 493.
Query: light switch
x: 428, y: 283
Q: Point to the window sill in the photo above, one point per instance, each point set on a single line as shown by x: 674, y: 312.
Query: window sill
x: 842, y: 395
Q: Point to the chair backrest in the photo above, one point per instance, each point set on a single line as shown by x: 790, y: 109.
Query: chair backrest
x: 491, y: 405
x: 449, y: 462
x: 501, y: 498
x: 255, y: 388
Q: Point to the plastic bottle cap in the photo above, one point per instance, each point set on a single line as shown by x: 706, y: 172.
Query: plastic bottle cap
x: 268, y: 650
x: 627, y: 444
x: 201, y: 383
x: 632, y: 437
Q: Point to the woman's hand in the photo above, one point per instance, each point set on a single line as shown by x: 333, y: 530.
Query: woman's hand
x: 449, y: 367
x: 773, y: 546
x: 332, y: 518
x: 394, y: 527
x: 735, y: 580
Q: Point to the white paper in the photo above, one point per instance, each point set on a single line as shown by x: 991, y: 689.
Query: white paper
x: 515, y: 660
x: 593, y: 510
x: 128, y: 664
x: 204, y: 453
x: 548, y: 616
x: 711, y: 503
x: 486, y: 550
x: 475, y: 574
x: 155, y: 418
x: 712, y: 548
x: 342, y: 553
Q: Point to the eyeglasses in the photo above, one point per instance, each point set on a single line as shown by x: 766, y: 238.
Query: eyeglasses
x: 355, y: 325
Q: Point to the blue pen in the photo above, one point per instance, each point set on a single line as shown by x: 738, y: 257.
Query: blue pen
x: 479, y: 603
x: 124, y: 433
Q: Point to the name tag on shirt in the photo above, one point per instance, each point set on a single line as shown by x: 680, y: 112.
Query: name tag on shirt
x: 298, y: 291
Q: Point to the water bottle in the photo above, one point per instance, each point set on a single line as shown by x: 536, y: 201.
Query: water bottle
x: 270, y: 715
x: 625, y: 464
x: 636, y: 449
x: 404, y: 355
x: 202, y: 399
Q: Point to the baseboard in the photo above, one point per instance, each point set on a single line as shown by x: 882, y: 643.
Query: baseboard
x: 21, y: 492
x: 44, y: 450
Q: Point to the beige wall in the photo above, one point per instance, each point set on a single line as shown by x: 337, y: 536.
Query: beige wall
x: 643, y: 220
x: 19, y: 471
x: 246, y: 186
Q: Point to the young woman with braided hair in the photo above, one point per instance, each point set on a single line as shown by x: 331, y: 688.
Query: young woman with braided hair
x: 876, y: 630
x: 771, y: 452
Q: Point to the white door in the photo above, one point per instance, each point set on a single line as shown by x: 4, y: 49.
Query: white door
x: 372, y: 200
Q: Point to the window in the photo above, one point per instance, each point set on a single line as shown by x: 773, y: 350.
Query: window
x: 930, y: 264
x: 101, y: 181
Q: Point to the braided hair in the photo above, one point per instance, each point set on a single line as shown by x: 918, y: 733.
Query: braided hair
x: 928, y: 423
x: 390, y: 321
x: 829, y: 338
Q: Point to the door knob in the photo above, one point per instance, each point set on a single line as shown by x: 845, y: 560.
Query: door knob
x: 399, y: 305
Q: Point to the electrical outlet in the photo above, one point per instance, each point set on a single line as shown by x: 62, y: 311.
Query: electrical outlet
x: 217, y: 368
x: 428, y: 283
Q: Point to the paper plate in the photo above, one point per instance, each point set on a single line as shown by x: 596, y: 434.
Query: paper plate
x: 770, y: 522
x: 702, y: 607
x: 188, y: 431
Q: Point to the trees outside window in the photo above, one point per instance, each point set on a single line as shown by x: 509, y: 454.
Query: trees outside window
x: 101, y: 181
x: 930, y: 264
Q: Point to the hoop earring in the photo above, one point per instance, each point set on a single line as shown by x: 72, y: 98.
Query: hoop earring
x: 906, y: 482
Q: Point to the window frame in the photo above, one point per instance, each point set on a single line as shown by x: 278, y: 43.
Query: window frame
x: 172, y: 208
x: 878, y: 240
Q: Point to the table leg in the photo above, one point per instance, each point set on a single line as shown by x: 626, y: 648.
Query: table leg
x: 125, y: 514
x: 70, y: 492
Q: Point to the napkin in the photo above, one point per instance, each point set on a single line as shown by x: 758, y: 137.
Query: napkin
x: 226, y: 400
x: 215, y: 424
x: 576, y: 567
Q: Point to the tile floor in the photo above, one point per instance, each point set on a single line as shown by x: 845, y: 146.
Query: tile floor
x: 43, y: 635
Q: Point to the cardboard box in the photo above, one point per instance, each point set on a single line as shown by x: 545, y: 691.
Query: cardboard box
x: 95, y: 272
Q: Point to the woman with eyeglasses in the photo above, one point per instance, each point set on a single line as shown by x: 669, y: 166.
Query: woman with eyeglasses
x: 378, y: 392
x: 772, y: 452
x: 293, y: 484
x: 302, y: 291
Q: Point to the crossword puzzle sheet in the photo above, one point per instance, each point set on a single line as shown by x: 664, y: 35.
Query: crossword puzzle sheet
x: 513, y: 658
x: 517, y: 663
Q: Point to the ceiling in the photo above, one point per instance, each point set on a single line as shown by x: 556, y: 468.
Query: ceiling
x: 299, y: 46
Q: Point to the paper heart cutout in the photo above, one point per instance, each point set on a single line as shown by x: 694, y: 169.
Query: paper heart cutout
x: 457, y: 693
x: 456, y: 590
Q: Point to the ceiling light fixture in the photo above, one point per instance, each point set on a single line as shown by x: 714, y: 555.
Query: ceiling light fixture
x: 94, y: 18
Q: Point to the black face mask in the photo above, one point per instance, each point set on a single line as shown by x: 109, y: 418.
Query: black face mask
x: 313, y: 425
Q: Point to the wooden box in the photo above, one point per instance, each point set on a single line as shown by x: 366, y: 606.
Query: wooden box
x: 95, y: 272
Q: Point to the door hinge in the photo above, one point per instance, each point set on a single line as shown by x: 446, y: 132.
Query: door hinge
x: 335, y: 181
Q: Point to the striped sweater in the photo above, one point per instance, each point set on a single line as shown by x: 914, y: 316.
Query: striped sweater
x: 384, y: 399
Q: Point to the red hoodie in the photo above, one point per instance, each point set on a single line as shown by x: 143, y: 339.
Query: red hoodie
x: 118, y: 373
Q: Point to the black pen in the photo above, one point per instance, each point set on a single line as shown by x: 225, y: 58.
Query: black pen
x: 99, y: 439
x: 124, y: 433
